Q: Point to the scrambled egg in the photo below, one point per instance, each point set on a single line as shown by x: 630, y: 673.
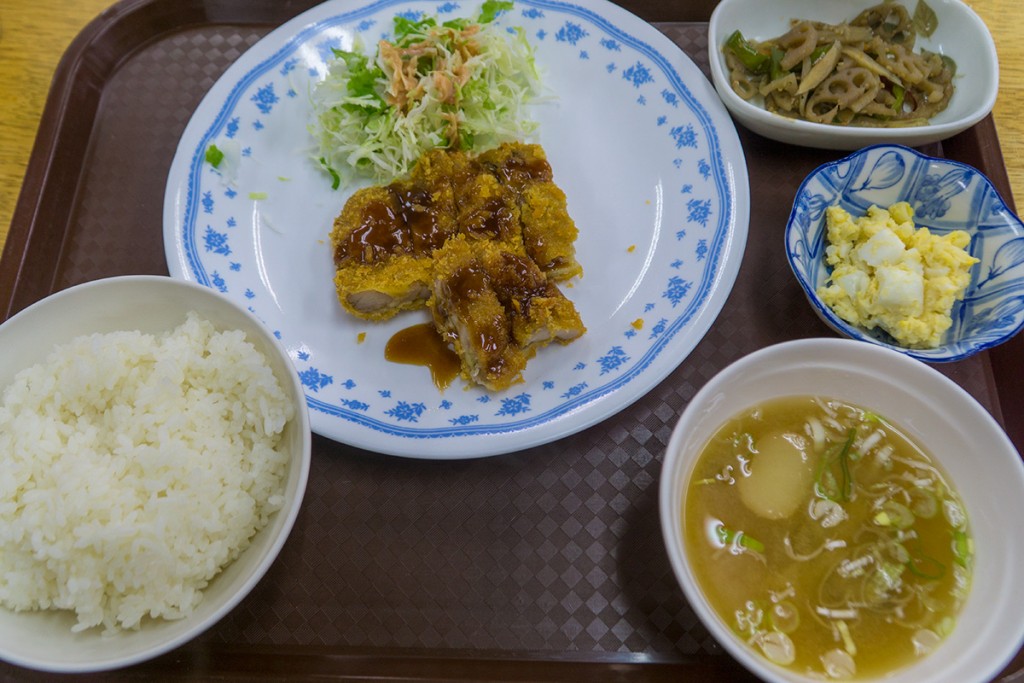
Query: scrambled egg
x: 890, y: 275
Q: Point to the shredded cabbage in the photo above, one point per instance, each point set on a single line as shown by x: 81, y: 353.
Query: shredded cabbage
x: 461, y: 84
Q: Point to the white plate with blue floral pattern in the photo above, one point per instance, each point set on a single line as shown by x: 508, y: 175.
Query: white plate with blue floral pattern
x: 650, y: 163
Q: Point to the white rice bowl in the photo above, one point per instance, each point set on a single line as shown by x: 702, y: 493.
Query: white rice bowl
x: 155, y: 453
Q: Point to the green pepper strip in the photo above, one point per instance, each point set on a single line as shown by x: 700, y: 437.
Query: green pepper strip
x: 752, y: 59
x: 726, y: 536
x: 819, y: 52
x: 899, y: 93
x: 775, y: 70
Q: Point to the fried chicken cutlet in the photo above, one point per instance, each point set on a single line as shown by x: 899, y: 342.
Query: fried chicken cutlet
x: 384, y: 237
x: 496, y: 308
x: 548, y: 231
x: 383, y: 243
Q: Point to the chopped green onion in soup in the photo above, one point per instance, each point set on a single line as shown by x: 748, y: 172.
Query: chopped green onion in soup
x: 828, y: 540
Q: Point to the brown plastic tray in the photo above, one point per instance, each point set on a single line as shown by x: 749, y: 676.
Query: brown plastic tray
x: 546, y: 564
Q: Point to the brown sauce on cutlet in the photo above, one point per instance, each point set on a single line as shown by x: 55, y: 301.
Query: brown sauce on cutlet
x: 557, y: 262
x: 408, y: 224
x: 517, y: 281
x: 379, y: 232
x: 467, y: 283
x: 494, y: 219
x: 408, y: 220
x: 462, y: 175
x: 417, y: 208
x: 470, y: 282
x: 422, y: 345
x: 517, y: 171
x: 500, y: 201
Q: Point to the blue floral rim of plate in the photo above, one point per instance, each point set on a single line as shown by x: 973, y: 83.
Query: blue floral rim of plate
x: 696, y: 260
x: 946, y: 195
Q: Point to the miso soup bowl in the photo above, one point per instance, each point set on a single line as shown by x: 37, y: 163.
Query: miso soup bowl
x: 951, y: 425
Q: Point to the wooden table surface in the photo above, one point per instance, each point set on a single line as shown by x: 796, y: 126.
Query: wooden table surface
x: 35, y: 33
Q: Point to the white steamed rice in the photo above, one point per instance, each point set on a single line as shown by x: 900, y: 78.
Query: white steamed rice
x: 134, y: 468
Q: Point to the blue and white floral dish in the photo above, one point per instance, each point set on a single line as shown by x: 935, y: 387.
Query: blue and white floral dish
x: 946, y: 195
x: 646, y: 153
x: 961, y: 35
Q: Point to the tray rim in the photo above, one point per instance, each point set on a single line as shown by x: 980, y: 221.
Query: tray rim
x: 60, y: 138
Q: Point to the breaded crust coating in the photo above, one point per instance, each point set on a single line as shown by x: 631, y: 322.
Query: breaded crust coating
x: 497, y: 309
x: 480, y: 241
x: 383, y: 242
x: 548, y: 231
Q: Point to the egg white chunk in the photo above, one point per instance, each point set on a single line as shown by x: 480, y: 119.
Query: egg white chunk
x: 887, y: 273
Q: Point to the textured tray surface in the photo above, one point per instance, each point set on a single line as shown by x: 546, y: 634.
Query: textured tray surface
x: 551, y: 554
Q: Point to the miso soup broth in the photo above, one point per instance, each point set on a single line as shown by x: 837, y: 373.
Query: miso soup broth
x: 826, y: 539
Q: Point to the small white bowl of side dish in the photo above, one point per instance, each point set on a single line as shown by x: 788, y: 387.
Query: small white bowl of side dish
x: 957, y: 432
x: 43, y: 640
x: 960, y: 35
x: 945, y: 195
